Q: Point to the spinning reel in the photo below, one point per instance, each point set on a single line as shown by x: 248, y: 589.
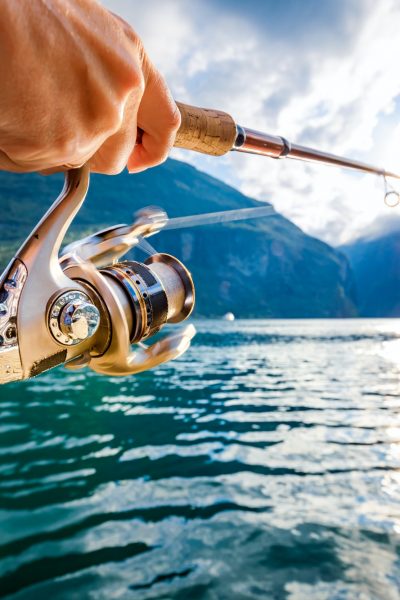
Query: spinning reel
x: 86, y: 309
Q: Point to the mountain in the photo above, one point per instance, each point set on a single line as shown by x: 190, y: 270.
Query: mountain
x: 263, y: 268
x: 375, y: 260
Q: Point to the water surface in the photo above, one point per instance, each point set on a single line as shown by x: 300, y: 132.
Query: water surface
x: 265, y: 463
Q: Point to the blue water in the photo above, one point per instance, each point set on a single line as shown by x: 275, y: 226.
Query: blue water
x: 265, y: 463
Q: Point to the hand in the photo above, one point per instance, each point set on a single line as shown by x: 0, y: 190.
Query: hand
x: 76, y: 85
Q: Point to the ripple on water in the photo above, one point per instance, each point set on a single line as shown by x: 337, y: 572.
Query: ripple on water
x: 264, y: 463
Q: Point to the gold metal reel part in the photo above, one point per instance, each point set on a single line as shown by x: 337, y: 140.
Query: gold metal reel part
x: 49, y: 287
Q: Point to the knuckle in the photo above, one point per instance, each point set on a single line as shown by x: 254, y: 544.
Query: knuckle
x: 131, y: 79
x: 175, y: 119
x: 114, y: 169
x: 70, y: 150
x: 109, y: 108
x: 106, y: 116
x: 111, y: 121
x: 108, y: 166
x: 102, y: 123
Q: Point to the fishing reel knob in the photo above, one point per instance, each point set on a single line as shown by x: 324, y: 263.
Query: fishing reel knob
x: 80, y: 320
x: 73, y: 318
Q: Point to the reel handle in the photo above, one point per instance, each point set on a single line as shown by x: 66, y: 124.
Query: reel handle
x: 129, y: 360
x: 205, y: 130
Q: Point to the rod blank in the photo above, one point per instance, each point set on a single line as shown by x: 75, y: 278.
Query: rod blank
x: 215, y: 133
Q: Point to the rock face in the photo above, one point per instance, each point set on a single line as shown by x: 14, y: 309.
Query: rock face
x: 264, y: 268
x: 376, y: 266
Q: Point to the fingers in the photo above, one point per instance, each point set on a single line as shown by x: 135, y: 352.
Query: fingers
x: 96, y: 119
x: 7, y: 164
x: 112, y: 156
x: 153, y: 111
x: 159, y: 119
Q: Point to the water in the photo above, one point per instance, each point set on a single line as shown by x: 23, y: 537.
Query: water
x: 263, y: 464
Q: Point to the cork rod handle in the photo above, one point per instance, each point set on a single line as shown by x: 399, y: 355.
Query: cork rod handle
x: 204, y: 130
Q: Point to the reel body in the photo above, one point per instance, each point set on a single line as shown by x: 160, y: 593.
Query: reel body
x: 86, y: 308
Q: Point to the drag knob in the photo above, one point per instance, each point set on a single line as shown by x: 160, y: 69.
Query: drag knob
x: 73, y: 318
x: 79, y: 320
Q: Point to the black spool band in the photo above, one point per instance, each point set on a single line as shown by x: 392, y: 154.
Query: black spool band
x: 139, y: 282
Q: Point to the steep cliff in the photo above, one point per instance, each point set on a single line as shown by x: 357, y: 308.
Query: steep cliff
x: 264, y: 268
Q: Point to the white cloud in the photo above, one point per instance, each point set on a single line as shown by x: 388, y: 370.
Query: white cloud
x: 318, y: 83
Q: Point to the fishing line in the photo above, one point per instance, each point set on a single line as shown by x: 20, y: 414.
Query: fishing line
x: 146, y: 247
x: 214, y: 218
x: 225, y: 216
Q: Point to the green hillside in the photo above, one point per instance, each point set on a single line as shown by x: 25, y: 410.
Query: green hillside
x: 264, y: 268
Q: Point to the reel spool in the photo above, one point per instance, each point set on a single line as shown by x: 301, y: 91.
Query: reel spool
x: 86, y: 308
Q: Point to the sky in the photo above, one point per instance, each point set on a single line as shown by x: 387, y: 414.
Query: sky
x: 323, y: 73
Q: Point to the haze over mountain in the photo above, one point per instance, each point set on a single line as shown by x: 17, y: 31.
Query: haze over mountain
x: 263, y: 268
x: 375, y: 260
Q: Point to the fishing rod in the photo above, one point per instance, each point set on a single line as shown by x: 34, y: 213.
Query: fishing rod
x: 215, y: 133
x: 84, y: 306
